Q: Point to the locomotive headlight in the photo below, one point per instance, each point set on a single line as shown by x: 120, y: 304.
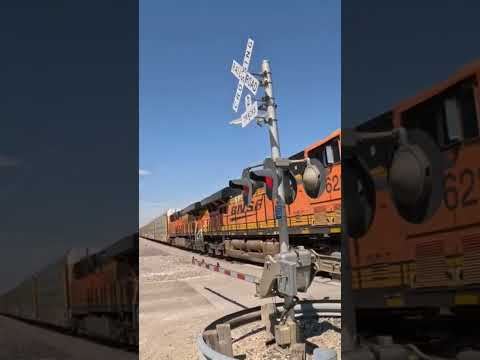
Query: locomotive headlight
x: 415, y: 177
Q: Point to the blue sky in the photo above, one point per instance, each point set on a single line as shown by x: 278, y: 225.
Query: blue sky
x: 187, y: 148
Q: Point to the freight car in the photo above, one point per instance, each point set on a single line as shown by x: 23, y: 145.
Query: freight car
x: 86, y: 292
x: 222, y: 225
x: 432, y: 266
x: 44, y: 297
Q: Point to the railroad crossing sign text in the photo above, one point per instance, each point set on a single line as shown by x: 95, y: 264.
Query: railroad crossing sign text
x: 243, y: 76
x: 251, y: 111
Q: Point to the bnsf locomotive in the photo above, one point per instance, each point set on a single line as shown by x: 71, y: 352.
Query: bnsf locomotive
x: 223, y: 225
x: 433, y: 266
x: 84, y: 292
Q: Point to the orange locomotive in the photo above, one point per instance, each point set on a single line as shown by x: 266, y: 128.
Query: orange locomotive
x: 222, y: 225
x: 397, y: 264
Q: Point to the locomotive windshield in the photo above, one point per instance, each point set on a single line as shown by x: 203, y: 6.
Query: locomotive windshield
x: 449, y: 117
x: 328, y: 153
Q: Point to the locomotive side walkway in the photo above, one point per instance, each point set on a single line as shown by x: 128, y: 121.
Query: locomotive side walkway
x: 177, y: 298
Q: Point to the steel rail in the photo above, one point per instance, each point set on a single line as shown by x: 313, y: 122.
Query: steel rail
x: 332, y: 262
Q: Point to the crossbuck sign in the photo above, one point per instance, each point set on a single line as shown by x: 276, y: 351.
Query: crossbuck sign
x: 243, y: 76
x: 251, y: 111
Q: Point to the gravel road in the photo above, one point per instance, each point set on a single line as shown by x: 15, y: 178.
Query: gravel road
x: 178, y: 299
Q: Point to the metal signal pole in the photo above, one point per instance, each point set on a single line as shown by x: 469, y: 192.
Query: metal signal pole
x: 285, y: 273
x: 271, y: 121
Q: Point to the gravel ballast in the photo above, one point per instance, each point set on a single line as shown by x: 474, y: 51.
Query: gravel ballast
x: 250, y: 339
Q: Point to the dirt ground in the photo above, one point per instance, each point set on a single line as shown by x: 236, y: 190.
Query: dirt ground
x: 22, y: 341
x: 172, y: 313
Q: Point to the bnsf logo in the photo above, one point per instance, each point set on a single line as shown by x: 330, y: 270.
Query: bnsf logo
x: 241, y: 208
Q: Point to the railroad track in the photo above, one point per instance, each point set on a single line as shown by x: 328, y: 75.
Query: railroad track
x: 328, y: 266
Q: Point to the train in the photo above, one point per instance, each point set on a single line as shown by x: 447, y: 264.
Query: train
x: 433, y: 267
x: 222, y: 225
x: 84, y: 292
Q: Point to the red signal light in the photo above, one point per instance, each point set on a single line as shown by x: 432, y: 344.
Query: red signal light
x: 268, y: 182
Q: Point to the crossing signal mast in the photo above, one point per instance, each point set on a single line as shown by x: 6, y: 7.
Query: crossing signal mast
x: 292, y: 269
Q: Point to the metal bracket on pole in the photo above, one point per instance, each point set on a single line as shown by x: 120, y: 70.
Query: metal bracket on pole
x: 260, y: 120
x: 352, y: 138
